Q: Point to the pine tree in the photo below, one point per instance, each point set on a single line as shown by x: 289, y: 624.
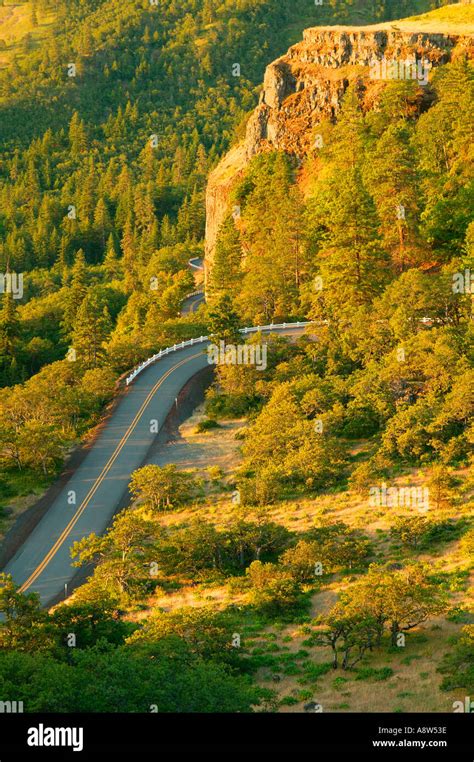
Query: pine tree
x: 129, y: 258
x: 144, y: 212
x: 392, y: 179
x: 353, y: 263
x: 225, y: 273
x: 112, y: 264
x: 9, y: 339
x: 348, y: 139
x: 224, y: 322
x: 92, y: 327
x: 124, y: 197
x: 168, y: 234
x: 75, y: 293
x: 102, y: 223
x: 62, y: 263
x: 77, y: 136
x: 9, y: 323
x: 272, y: 235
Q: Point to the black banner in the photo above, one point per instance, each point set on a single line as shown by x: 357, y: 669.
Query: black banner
x: 86, y: 736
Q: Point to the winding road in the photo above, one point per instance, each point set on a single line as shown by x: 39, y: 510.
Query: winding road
x: 97, y: 488
x: 192, y: 302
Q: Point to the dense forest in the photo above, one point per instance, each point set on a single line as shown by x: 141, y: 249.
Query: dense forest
x: 109, y: 128
x: 102, y: 178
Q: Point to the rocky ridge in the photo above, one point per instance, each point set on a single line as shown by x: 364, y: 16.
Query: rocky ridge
x: 307, y: 84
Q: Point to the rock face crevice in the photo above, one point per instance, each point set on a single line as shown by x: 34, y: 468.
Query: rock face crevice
x: 307, y: 85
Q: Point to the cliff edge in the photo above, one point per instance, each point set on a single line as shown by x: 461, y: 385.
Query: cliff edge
x: 307, y: 84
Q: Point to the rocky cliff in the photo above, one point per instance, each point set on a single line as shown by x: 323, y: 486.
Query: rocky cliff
x: 308, y: 83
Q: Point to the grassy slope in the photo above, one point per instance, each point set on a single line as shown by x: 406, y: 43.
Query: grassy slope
x: 15, y: 24
x: 414, y: 685
x: 454, y: 19
x: 450, y: 18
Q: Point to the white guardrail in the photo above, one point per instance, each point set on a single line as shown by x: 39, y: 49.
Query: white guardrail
x: 201, y: 339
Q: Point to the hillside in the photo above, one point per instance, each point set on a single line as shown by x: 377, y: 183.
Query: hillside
x: 307, y: 85
x: 103, y: 171
x: 281, y: 651
x: 455, y: 19
x: 304, y: 542
x: 22, y: 29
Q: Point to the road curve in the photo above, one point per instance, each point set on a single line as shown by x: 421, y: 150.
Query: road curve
x: 95, y: 490
x: 191, y: 303
x: 196, y: 263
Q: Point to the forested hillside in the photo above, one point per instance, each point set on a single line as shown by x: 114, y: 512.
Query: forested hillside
x: 298, y: 570
x: 370, y: 234
x: 110, y: 121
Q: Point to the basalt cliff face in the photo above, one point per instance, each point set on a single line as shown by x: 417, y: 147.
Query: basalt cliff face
x: 307, y: 85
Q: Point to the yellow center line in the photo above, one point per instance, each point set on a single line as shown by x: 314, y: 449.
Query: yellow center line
x: 73, y: 521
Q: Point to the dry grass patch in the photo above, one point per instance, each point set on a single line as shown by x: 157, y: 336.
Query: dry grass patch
x: 16, y: 21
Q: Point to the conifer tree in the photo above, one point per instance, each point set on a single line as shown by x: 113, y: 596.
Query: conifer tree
x: 392, y: 179
x: 225, y: 273
x: 112, y: 264
x: 76, y: 292
x: 77, y: 136
x: 92, y: 327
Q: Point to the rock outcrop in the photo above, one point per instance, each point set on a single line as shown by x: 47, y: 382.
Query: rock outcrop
x: 307, y: 84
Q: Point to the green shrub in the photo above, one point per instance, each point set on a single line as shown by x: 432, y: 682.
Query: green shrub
x: 458, y: 665
x: 207, y: 425
x: 370, y: 673
x: 289, y: 701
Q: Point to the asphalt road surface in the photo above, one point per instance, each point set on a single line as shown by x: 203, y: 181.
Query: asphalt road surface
x: 196, y: 263
x: 191, y: 303
x: 95, y: 490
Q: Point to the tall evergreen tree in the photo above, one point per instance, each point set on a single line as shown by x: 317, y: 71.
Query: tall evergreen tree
x: 92, y: 327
